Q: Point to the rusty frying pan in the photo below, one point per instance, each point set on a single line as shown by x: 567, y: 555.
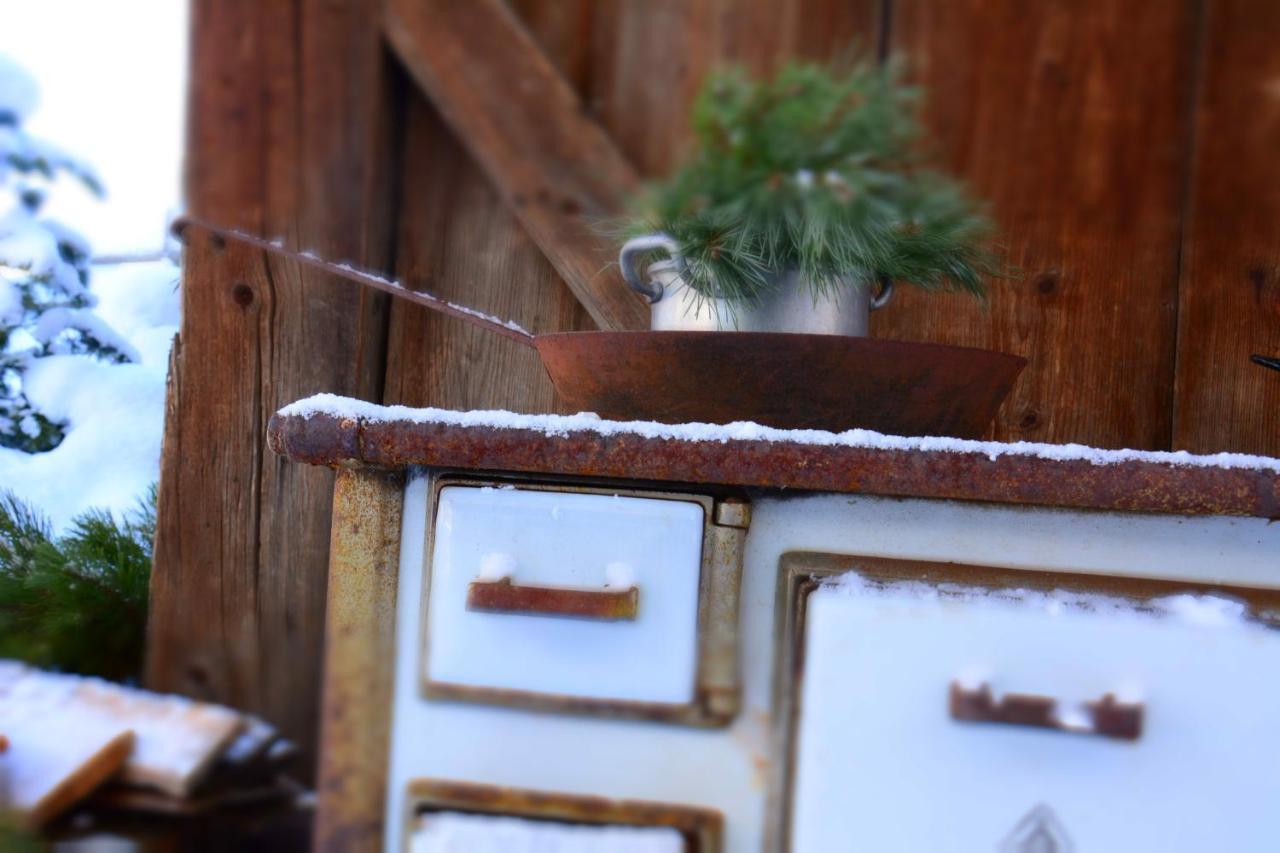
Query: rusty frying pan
x: 791, y: 381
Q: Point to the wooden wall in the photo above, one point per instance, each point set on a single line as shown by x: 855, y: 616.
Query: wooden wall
x: 1128, y: 147
x: 291, y: 132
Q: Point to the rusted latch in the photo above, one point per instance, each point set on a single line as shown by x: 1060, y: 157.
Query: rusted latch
x: 503, y: 596
x: 1106, y: 717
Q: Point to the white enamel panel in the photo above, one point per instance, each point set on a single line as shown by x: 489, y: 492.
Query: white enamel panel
x: 566, y: 540
x: 882, y: 766
x: 457, y: 832
x: 727, y: 769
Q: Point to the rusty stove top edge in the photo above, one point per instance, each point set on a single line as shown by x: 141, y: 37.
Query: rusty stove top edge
x: 336, y: 431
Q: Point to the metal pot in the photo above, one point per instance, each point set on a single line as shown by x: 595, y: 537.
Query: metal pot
x: 790, y: 306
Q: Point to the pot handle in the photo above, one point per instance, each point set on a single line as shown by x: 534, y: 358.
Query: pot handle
x: 637, y: 246
x: 881, y: 299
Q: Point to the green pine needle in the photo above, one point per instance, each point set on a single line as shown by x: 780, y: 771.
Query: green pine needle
x: 820, y: 173
x: 78, y: 602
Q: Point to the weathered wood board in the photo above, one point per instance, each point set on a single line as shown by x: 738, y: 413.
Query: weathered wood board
x: 1073, y: 119
x: 291, y: 123
x: 1229, y: 294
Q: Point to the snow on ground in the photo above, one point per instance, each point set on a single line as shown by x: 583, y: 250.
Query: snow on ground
x: 111, y: 454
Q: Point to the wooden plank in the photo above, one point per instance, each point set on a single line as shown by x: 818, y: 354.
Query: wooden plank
x: 1073, y: 119
x: 650, y: 58
x: 290, y: 114
x: 1229, y: 295
x: 555, y: 168
x: 458, y: 240
x: 360, y: 648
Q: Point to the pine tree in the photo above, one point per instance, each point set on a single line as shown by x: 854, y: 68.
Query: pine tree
x: 45, y: 304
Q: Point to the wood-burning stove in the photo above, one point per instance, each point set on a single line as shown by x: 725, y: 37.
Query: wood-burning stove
x: 743, y: 639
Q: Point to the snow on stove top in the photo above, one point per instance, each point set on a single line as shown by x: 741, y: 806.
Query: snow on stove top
x: 561, y: 426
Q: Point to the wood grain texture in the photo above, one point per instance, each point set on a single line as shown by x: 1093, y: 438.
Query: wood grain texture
x: 1230, y: 284
x: 1073, y: 118
x: 290, y: 116
x: 649, y: 59
x: 635, y: 65
x: 458, y: 240
x: 525, y: 126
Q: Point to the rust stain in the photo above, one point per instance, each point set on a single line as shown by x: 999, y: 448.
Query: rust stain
x: 355, y: 726
x: 1135, y: 485
x: 895, y: 387
x: 702, y: 828
x: 1108, y: 717
x: 503, y: 596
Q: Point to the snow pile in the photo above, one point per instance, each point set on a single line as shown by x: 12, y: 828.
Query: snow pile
x: 19, y: 97
x: 115, y: 412
x: 563, y: 425
x: 30, y: 244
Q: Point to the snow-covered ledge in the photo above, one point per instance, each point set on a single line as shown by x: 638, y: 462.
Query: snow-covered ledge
x: 337, y: 431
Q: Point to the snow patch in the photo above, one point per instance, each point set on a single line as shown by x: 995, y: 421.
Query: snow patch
x: 1187, y: 608
x: 452, y: 832
x: 562, y: 426
x: 346, y: 267
x: 1203, y: 609
x: 497, y: 566
x: 111, y: 454
x: 19, y: 95
x: 619, y: 575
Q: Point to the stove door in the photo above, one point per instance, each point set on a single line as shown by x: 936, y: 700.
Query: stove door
x: 580, y: 600
x: 1019, y: 714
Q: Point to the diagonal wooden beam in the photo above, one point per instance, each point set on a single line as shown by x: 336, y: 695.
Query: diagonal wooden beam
x: 556, y: 168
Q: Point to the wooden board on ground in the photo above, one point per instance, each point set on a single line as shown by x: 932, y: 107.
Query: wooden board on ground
x: 175, y: 740
x: 58, y: 753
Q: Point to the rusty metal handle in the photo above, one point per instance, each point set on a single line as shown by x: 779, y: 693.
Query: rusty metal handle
x: 503, y: 596
x: 1106, y: 717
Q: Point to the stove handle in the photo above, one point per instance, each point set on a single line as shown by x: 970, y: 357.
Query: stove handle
x: 503, y: 596
x: 1105, y: 717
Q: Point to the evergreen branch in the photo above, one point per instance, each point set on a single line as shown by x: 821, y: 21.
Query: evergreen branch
x: 818, y: 173
x: 76, y: 602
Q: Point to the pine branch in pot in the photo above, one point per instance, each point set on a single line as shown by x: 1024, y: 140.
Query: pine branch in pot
x: 804, y: 199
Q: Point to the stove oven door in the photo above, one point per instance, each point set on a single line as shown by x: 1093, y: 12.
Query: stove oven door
x: 930, y: 707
